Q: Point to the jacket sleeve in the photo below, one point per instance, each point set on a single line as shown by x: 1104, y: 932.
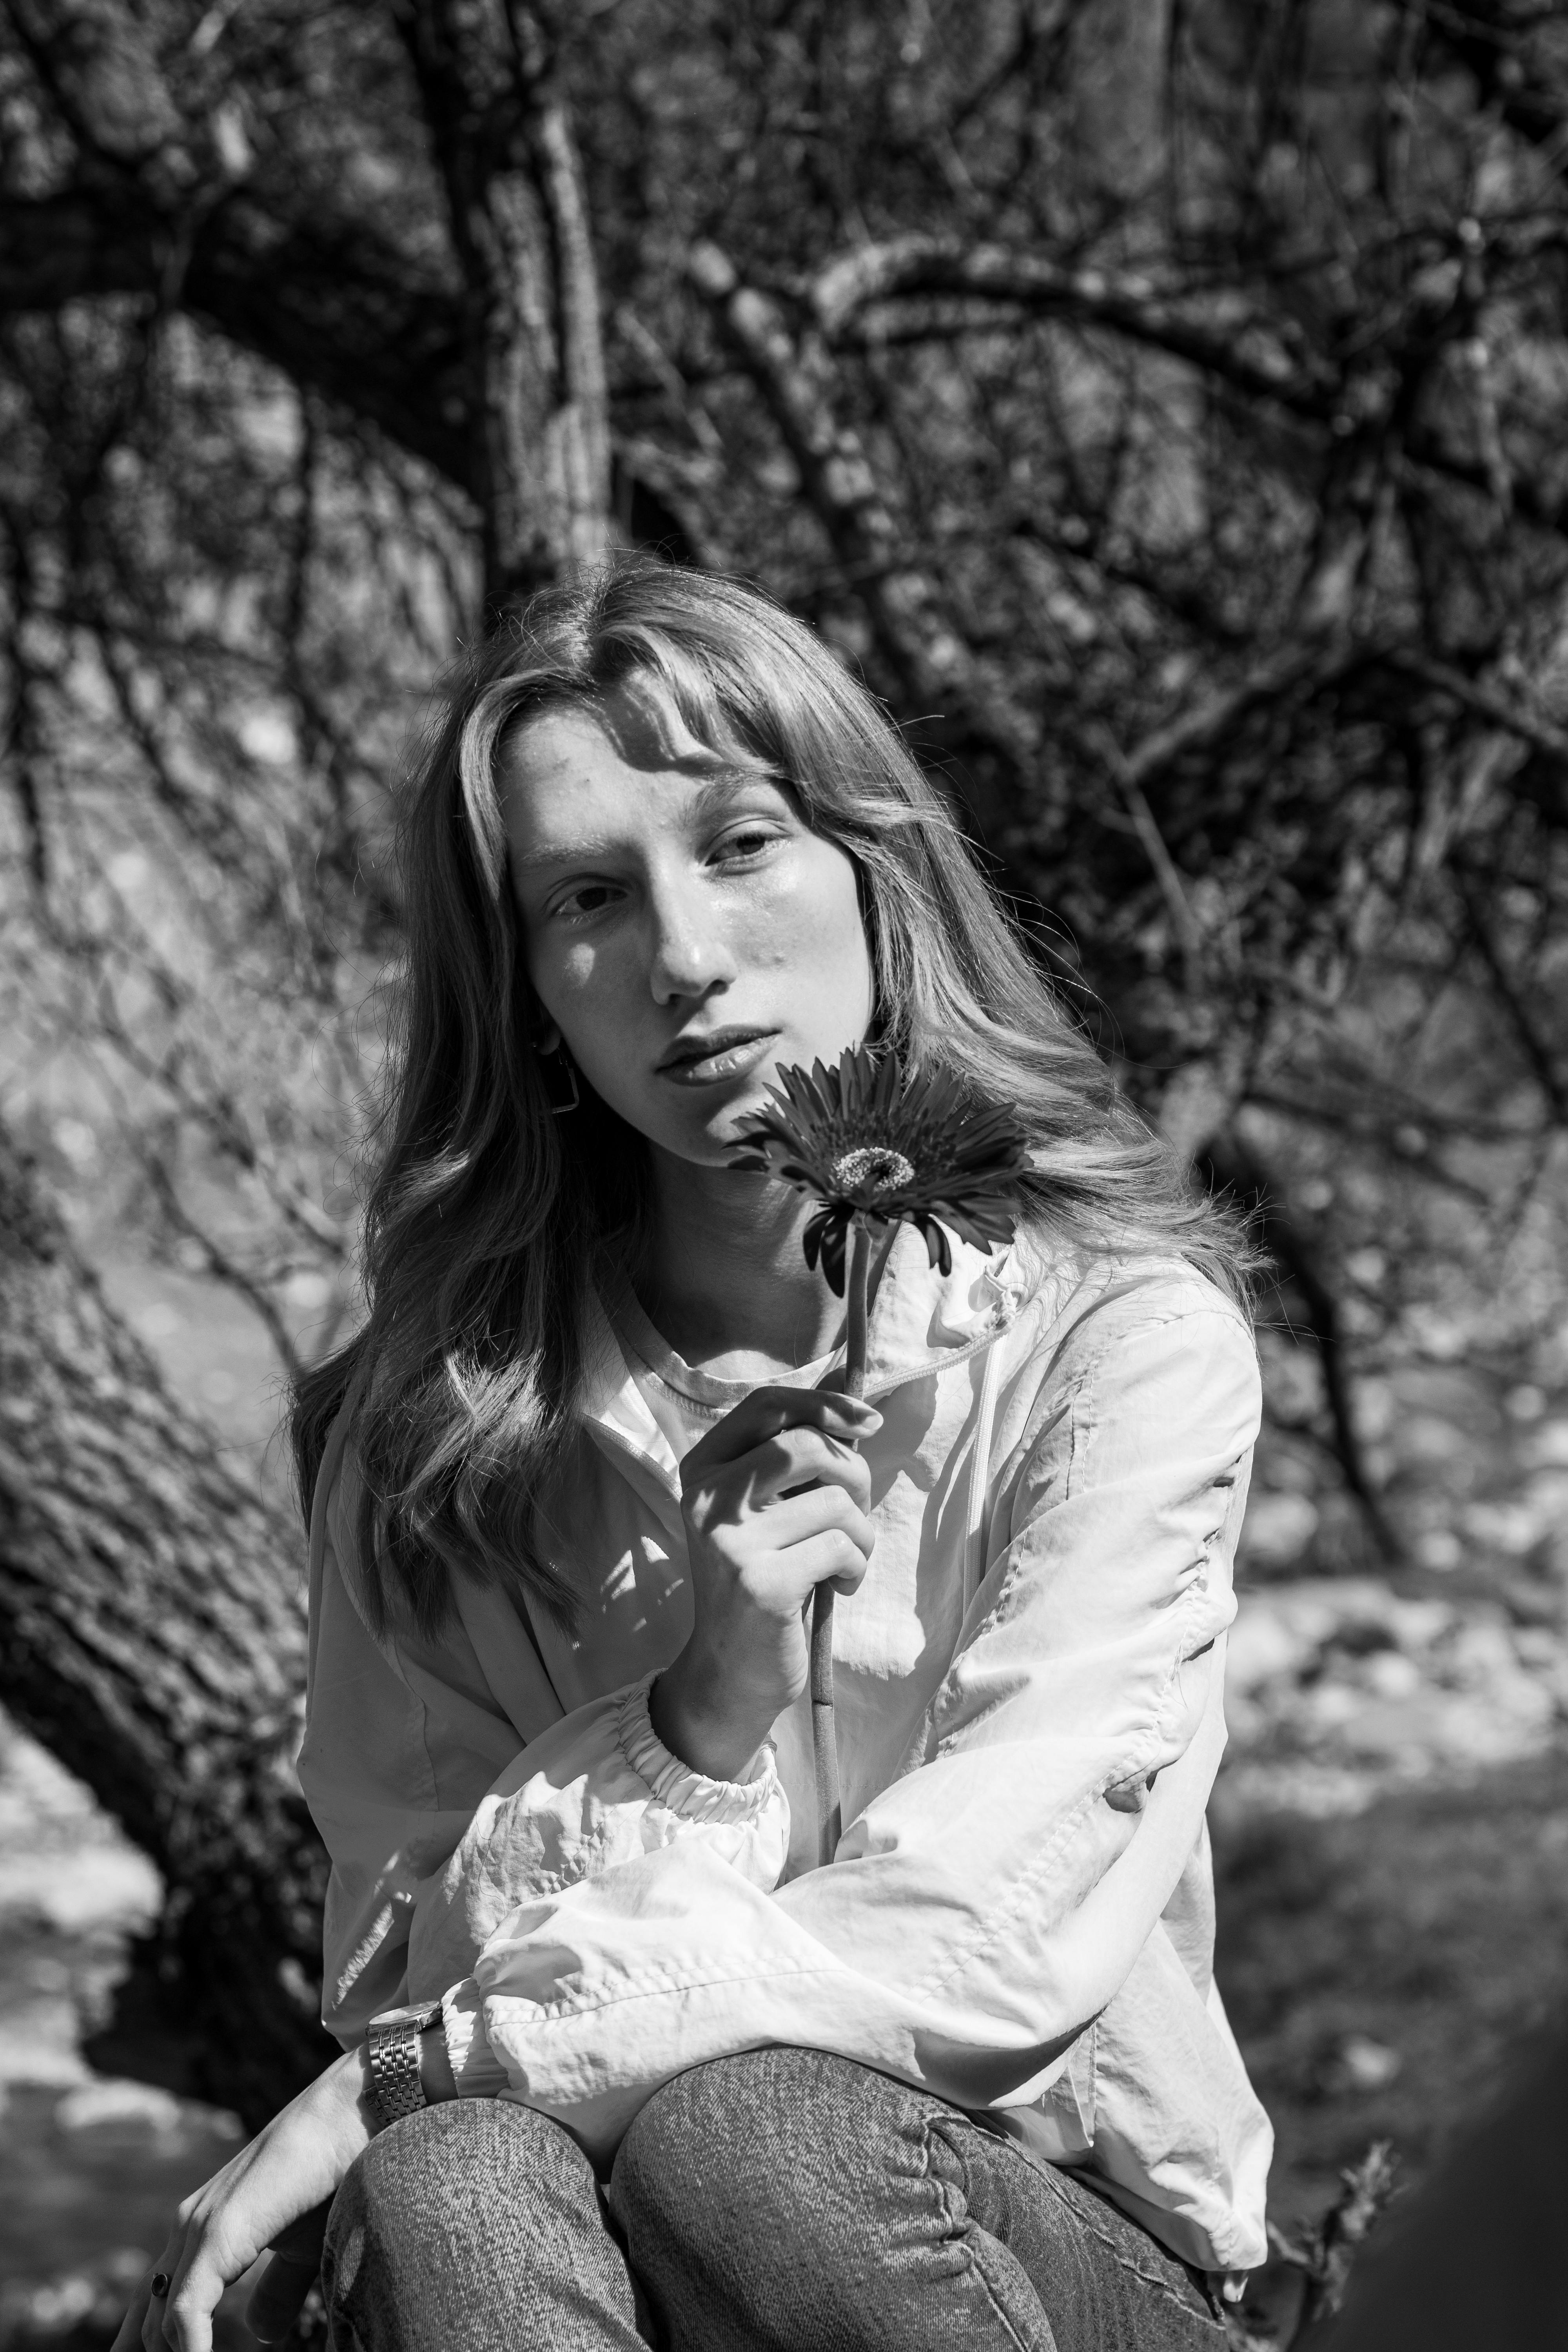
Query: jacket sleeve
x: 408, y: 1755
x: 990, y: 1903
x: 401, y: 1742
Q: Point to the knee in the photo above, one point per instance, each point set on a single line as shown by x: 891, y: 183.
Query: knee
x: 442, y: 2162
x: 759, y: 2196
x: 741, y: 2144
x: 421, y: 2202
x: 697, y: 2140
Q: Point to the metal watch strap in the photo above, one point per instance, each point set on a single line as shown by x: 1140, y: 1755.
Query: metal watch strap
x: 392, y: 2040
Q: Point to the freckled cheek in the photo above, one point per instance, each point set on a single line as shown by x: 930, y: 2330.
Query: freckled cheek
x: 804, y: 924
x: 572, y: 972
x: 579, y: 971
x: 600, y: 997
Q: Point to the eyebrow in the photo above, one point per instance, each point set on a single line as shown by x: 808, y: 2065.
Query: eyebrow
x: 720, y: 787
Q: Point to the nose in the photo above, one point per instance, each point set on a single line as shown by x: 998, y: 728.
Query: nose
x: 689, y: 954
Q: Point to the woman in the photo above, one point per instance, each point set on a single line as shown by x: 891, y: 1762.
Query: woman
x: 571, y: 1492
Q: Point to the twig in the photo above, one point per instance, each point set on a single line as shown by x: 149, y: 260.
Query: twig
x: 1485, y: 702
x: 1325, y: 2254
x: 1188, y: 929
x: 1236, y: 1164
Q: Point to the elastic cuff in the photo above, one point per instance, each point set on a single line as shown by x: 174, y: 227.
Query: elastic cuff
x: 675, y: 1785
x: 476, y: 2070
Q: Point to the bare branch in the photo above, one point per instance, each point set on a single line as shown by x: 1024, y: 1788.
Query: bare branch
x: 917, y: 636
x: 221, y: 1264
x: 1292, y: 669
x: 1246, y: 349
x: 1183, y: 922
x: 1473, y: 694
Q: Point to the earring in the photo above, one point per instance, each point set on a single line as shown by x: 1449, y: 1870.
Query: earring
x: 560, y: 1110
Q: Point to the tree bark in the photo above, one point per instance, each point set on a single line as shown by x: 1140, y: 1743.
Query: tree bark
x: 537, y: 398
x: 151, y: 1611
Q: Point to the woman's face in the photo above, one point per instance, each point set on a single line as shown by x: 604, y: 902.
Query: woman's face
x: 685, y: 931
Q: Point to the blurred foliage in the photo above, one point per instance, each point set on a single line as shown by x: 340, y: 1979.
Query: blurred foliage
x: 1161, y: 400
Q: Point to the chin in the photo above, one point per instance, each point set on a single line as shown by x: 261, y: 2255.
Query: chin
x: 710, y: 1142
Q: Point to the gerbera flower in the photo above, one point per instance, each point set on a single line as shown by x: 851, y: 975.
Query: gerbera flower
x: 877, y: 1149
x: 873, y: 1146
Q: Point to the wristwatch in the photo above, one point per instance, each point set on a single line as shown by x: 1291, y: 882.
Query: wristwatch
x: 392, y: 2039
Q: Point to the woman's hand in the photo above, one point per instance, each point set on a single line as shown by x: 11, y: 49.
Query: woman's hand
x: 281, y: 2178
x: 776, y: 1501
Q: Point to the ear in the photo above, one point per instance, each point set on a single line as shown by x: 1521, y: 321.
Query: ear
x: 546, y: 1039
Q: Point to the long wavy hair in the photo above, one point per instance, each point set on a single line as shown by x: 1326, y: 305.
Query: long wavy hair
x: 487, y: 1213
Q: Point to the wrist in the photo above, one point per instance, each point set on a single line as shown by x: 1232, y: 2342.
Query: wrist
x: 341, y: 2101
x: 703, y: 1720
x: 406, y: 2059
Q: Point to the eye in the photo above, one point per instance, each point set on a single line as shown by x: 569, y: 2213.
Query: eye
x: 749, y: 840
x: 588, y: 899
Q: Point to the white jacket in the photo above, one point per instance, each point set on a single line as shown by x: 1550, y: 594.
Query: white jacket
x: 1029, y: 1683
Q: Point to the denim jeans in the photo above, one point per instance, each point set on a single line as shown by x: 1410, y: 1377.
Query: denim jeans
x: 778, y: 2201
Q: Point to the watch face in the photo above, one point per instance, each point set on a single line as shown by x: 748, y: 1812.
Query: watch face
x: 418, y: 2015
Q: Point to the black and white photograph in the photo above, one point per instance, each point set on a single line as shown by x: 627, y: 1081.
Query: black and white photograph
x: 784, y: 1175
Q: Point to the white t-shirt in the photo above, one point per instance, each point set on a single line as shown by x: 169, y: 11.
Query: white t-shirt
x: 687, y: 1402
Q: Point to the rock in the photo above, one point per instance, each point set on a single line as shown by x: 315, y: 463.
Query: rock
x: 108, y: 1885
x: 1362, y: 2065
x: 39, y: 2043
x: 1546, y: 1447
x: 118, y: 2101
x: 1278, y: 1529
x: 1338, y: 1690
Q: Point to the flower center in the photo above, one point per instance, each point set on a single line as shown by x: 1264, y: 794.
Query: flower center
x: 872, y: 1168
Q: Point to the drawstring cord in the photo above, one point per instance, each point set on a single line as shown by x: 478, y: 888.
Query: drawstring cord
x: 979, y: 1465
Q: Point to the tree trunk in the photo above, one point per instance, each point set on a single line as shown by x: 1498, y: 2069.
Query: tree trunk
x: 538, y: 399
x: 152, y: 1612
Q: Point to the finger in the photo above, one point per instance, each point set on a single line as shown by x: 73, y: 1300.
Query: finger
x: 302, y: 2241
x: 154, y: 2307
x: 791, y: 1457
x: 129, y: 2334
x: 278, y: 2293
x: 289, y: 2275
x: 797, y: 1458
x: 834, y: 1557
x: 193, y: 2299
x: 184, y: 2323
x: 797, y: 1519
x: 769, y: 1410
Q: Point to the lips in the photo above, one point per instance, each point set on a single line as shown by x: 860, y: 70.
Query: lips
x: 719, y: 1054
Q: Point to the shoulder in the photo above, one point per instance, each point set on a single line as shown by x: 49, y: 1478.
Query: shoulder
x: 1093, y: 1300
x: 1150, y: 1340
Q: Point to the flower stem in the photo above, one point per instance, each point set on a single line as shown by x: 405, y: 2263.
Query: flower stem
x: 824, y: 1741
x: 855, y: 1303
